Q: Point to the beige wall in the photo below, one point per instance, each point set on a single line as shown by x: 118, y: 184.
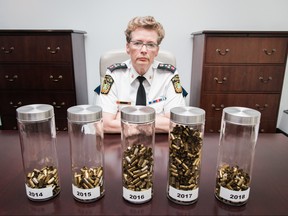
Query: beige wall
x: 105, y: 22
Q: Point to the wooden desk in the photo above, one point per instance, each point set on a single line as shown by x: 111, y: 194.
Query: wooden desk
x: 268, y: 195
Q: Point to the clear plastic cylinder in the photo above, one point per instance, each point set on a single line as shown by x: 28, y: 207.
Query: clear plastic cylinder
x: 185, y: 149
x: 37, y: 134
x: 138, y: 138
x: 238, y: 137
x: 85, y: 128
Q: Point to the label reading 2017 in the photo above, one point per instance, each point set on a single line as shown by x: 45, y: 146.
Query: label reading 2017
x: 184, y: 196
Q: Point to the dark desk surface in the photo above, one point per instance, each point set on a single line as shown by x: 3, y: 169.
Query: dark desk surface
x: 268, y: 195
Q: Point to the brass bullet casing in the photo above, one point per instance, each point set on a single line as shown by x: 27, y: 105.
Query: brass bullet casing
x: 89, y: 178
x: 46, y: 177
x: 37, y: 134
x: 185, y: 144
x: 137, y: 166
x: 232, y: 178
x: 237, y: 142
x: 137, y: 147
x: 184, y: 157
x: 85, y: 129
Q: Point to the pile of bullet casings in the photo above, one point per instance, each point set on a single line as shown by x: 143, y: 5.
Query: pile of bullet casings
x: 89, y: 178
x: 46, y: 177
x: 184, y: 157
x: 232, y: 178
x: 137, y: 167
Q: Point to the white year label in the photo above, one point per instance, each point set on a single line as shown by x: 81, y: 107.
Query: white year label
x: 137, y: 196
x: 85, y: 194
x: 234, y: 196
x: 181, y: 195
x: 39, y: 193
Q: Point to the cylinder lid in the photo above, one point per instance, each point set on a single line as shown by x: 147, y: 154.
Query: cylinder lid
x: 187, y: 115
x: 35, y: 112
x: 84, y: 113
x: 138, y: 114
x: 241, y: 115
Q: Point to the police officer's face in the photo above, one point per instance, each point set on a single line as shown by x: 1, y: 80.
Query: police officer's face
x: 142, y: 56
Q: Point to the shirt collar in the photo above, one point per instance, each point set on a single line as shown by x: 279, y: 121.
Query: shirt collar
x: 148, y: 75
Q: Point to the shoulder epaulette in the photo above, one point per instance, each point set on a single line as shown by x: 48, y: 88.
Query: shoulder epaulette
x: 168, y: 67
x: 117, y: 66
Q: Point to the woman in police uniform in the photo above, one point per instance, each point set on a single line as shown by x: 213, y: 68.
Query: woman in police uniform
x: 162, y: 89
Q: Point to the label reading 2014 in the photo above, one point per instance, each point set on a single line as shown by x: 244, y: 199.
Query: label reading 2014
x: 39, y: 193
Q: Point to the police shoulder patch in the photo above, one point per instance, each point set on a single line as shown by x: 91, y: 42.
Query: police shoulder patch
x: 168, y: 67
x: 117, y: 66
x: 106, y: 85
x: 176, y: 83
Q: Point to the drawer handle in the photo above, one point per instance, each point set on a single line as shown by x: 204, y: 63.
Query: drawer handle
x: 265, y: 81
x: 261, y: 108
x: 63, y: 129
x: 220, y: 81
x: 269, y: 53
x: 56, y: 79
x: 7, y: 51
x: 58, y: 106
x: 11, y: 79
x: 222, y: 53
x: 15, y: 105
x: 218, y: 108
x: 53, y: 51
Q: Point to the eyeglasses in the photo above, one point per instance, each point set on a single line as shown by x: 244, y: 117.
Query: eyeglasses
x: 140, y: 44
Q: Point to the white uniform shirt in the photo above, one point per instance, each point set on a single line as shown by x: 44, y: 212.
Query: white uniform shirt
x: 159, y: 88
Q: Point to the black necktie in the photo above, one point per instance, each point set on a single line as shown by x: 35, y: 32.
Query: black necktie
x: 141, y: 95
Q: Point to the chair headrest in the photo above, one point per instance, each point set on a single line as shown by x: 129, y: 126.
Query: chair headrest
x: 118, y: 56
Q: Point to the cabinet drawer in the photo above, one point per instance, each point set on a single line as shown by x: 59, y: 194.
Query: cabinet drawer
x: 213, y: 125
x: 245, y: 50
x: 267, y: 104
x: 36, y: 77
x: 243, y: 78
x: 61, y: 101
x: 8, y: 122
x: 35, y: 48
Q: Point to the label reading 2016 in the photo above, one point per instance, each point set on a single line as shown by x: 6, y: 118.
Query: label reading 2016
x: 137, y: 196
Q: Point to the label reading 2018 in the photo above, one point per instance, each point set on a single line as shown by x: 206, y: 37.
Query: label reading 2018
x: 235, y: 197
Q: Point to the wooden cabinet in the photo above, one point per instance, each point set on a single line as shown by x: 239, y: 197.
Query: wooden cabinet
x: 41, y: 66
x: 239, y: 69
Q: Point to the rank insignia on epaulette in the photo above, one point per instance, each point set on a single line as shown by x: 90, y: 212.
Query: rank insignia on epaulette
x: 106, y: 85
x: 117, y: 66
x: 176, y: 83
x: 168, y: 67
